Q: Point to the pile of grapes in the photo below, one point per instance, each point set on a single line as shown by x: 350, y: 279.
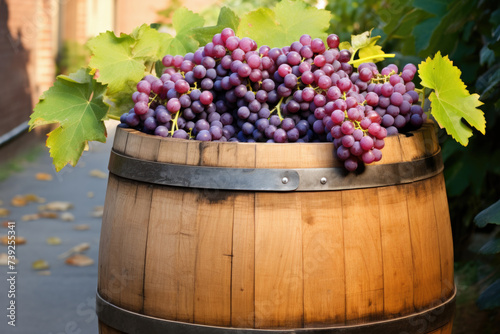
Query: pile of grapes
x: 305, y: 92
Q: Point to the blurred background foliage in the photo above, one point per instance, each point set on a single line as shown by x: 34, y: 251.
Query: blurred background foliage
x: 469, y: 32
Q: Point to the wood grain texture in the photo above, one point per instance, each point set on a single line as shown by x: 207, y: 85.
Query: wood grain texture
x: 186, y: 256
x: 243, y: 268
x: 162, y: 273
x: 363, y: 256
x: 425, y: 245
x: 278, y: 261
x: 274, y: 260
x: 120, y: 140
x: 106, y: 281
x: 127, y: 245
x: 444, y: 235
x: 398, y: 148
x: 396, y: 251
x: 323, y: 259
x: 212, y: 300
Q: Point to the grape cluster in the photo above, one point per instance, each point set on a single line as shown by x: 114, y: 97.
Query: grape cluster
x: 231, y: 90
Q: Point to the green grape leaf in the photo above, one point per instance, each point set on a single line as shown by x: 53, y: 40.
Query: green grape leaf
x: 150, y: 43
x: 121, y: 60
x: 227, y: 19
x: 490, y: 248
x: 185, y: 23
x: 76, y: 103
x: 450, y: 100
x: 284, y: 24
x: 490, y: 298
x: 490, y: 215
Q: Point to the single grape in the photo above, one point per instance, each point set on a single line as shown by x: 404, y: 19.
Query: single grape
x: 280, y: 136
x: 293, y: 135
x: 284, y: 69
x: 290, y: 80
x: 173, y: 105
x: 132, y: 120
x: 161, y: 131
x: 333, y: 41
x: 243, y: 112
x: 206, y: 97
x: 181, y: 86
x: 368, y: 157
x: 141, y: 108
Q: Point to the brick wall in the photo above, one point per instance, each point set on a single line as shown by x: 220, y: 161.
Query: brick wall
x: 27, y: 53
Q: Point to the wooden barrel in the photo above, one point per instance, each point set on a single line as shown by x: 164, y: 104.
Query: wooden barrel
x: 203, y: 237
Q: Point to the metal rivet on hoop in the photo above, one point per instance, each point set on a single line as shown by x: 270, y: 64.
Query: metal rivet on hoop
x: 284, y: 180
x: 323, y: 180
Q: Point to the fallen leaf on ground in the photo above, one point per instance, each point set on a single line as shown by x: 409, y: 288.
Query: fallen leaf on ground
x: 5, y: 224
x: 99, y: 174
x: 67, y: 217
x: 79, y: 260
x: 18, y: 200
x: 19, y: 240
x: 34, y: 198
x: 55, y: 206
x: 4, y: 212
x: 30, y: 217
x: 81, y: 227
x: 53, y: 241
x: 4, y: 259
x: 43, y: 176
x: 77, y: 249
x: 44, y: 273
x: 98, y: 212
x: 40, y: 265
x: 90, y: 194
x: 48, y: 214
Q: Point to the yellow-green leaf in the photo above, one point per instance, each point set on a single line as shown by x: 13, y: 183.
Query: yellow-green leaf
x: 75, y: 102
x: 121, y: 60
x: 368, y: 50
x: 227, y: 19
x: 40, y: 265
x: 284, y: 24
x: 362, y: 40
x: 451, y: 101
x: 345, y: 46
x: 185, y: 23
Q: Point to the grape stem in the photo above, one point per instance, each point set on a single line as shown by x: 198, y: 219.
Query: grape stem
x: 362, y: 60
x: 110, y: 116
x: 278, y: 108
x: 174, y: 124
x: 152, y: 99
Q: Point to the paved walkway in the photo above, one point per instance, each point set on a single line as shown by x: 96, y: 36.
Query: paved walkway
x: 60, y: 300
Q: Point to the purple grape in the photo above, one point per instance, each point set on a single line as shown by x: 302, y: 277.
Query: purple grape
x: 161, y: 131
x: 351, y: 164
x: 280, y: 136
